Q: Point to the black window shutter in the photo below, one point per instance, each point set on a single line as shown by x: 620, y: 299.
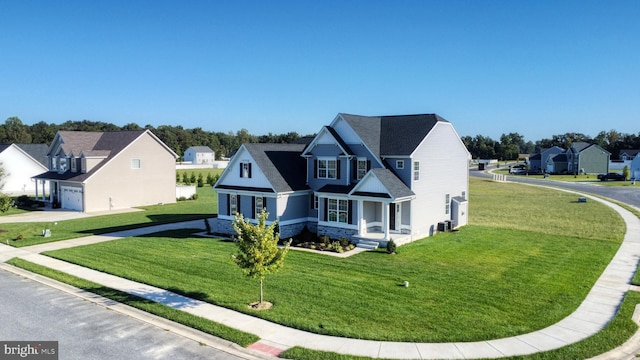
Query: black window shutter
x: 249, y: 170
x: 253, y: 205
x: 238, y: 203
x: 315, y: 168
x: 311, y: 201
x: 241, y: 170
x: 229, y: 204
x: 264, y: 203
x: 326, y: 209
x: 338, y: 169
x: 368, y: 165
x: 354, y: 169
x: 350, y: 213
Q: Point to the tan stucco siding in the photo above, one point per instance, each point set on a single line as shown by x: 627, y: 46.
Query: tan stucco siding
x: 117, y: 185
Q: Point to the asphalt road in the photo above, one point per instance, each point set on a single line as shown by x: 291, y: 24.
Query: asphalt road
x: 629, y: 195
x: 30, y: 311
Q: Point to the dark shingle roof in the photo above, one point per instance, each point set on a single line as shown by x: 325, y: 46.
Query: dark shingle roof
x: 108, y: 143
x: 393, y: 135
x: 36, y: 151
x: 559, y: 157
x: 281, y: 164
x: 201, y: 149
x: 392, y: 183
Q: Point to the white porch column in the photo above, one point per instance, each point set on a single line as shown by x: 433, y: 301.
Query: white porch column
x: 36, y: 188
x: 385, y: 219
x: 362, y: 224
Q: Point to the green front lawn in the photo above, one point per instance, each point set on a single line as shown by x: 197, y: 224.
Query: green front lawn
x: 205, y: 206
x: 527, y: 261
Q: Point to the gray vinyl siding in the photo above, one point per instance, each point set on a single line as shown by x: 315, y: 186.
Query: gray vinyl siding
x: 594, y: 160
x: 222, y: 203
x: 404, y: 174
x: 296, y: 206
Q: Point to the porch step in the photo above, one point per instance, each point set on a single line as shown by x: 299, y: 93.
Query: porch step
x: 367, y: 244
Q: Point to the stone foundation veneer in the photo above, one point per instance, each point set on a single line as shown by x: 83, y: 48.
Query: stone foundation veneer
x: 221, y: 226
x: 336, y: 233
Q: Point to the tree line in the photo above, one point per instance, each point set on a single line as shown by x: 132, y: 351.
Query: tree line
x: 510, y: 145
x: 179, y: 139
x: 176, y: 137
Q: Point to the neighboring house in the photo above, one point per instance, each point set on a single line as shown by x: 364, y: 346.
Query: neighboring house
x: 634, y: 169
x: 585, y: 158
x: 361, y: 177
x: 98, y: 171
x: 538, y: 162
x: 556, y: 164
x: 580, y: 158
x: 628, y: 154
x: 199, y: 155
x: 21, y: 162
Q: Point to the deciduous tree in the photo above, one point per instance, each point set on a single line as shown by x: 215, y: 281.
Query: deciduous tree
x: 258, y: 253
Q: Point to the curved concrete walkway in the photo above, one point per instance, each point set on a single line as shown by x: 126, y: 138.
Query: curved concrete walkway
x: 598, y: 308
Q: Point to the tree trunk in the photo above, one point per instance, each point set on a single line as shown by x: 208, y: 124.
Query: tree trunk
x: 260, y: 290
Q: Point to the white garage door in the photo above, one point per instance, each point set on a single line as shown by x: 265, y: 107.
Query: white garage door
x: 71, y: 198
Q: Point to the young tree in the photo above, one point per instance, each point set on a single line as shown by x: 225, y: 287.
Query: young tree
x: 258, y: 252
x: 200, y: 180
x: 626, y: 172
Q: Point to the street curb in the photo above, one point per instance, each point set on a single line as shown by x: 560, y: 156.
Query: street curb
x: 182, y: 330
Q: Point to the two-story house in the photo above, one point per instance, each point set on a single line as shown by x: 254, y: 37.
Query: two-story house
x: 361, y: 177
x: 199, y: 155
x: 98, y: 171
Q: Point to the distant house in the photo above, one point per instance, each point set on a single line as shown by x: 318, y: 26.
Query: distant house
x: 585, y: 158
x: 634, y: 169
x: 21, y: 162
x: 199, y: 155
x: 580, y: 158
x: 361, y: 178
x: 98, y: 171
x: 556, y: 164
x: 538, y: 162
x: 628, y: 154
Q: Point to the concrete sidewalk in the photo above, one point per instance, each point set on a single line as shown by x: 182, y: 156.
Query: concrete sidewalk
x: 598, y: 308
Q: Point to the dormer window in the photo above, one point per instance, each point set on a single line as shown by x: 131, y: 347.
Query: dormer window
x: 54, y: 163
x: 74, y: 166
x: 63, y: 164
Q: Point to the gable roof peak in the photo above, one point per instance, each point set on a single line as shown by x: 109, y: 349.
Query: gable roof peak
x: 392, y: 134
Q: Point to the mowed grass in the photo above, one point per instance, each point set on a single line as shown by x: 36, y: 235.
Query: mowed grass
x: 205, y: 206
x: 503, y: 275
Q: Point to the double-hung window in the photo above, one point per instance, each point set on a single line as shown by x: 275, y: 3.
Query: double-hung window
x: 361, y: 168
x: 327, y: 168
x: 233, y: 204
x: 416, y: 170
x: 259, y: 205
x: 245, y: 169
x: 338, y: 210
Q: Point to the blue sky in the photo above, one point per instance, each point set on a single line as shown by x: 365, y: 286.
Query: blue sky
x: 538, y: 68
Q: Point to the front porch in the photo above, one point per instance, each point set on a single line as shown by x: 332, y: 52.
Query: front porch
x: 381, y: 221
